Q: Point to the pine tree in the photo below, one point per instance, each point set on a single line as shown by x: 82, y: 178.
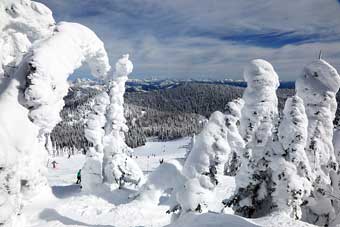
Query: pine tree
x: 118, y: 167
x: 94, y: 133
x: 317, y: 86
x: 205, y: 163
x: 258, y: 117
x: 291, y: 171
x: 235, y: 140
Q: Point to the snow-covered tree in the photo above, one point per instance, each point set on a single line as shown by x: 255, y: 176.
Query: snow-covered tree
x: 33, y: 94
x: 317, y: 86
x: 258, y: 117
x: 94, y: 132
x: 118, y: 167
x: 235, y: 140
x: 260, y: 104
x: 291, y: 171
x: 205, y: 162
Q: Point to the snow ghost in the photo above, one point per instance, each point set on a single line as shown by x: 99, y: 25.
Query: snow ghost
x: 36, y: 59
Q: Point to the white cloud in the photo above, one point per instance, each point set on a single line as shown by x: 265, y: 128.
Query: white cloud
x: 185, y: 38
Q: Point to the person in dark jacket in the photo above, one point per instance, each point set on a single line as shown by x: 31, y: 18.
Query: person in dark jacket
x: 78, y: 177
x: 54, y: 163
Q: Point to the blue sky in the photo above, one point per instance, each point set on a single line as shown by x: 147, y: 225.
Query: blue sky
x: 209, y: 38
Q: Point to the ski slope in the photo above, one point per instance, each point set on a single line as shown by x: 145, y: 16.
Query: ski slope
x: 67, y: 205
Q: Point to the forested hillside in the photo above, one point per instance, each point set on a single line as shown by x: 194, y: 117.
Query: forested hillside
x: 166, y: 112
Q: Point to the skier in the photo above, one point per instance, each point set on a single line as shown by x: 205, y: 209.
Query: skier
x: 54, y: 164
x: 78, y: 177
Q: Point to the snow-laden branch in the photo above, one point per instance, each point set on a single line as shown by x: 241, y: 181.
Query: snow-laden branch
x: 22, y: 23
x: 51, y: 61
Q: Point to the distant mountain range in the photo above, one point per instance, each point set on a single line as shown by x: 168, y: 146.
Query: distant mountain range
x: 140, y: 85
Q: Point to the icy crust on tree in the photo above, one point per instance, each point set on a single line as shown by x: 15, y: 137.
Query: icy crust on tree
x: 118, y: 167
x: 291, y: 171
x: 317, y: 86
x: 51, y: 61
x: 22, y: 23
x: 94, y: 133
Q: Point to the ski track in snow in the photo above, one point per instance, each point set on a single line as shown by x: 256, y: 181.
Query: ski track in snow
x: 67, y: 205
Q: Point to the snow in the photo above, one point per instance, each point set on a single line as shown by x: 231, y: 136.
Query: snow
x: 67, y: 205
x: 149, y: 155
x: 70, y: 206
x: 283, y: 168
x: 22, y: 23
x: 213, y: 220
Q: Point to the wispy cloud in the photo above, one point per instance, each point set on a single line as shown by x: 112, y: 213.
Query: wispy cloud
x: 199, y: 38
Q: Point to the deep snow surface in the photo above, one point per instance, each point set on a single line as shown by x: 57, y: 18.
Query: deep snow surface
x: 67, y: 205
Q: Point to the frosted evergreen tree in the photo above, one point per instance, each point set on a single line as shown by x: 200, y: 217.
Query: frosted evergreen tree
x: 235, y: 140
x: 291, y: 171
x: 317, y: 86
x: 22, y: 23
x: 94, y: 132
x: 258, y: 117
x: 33, y: 94
x: 118, y: 167
x: 205, y: 162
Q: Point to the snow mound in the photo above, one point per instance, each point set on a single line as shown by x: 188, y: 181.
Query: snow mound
x: 124, y: 171
x: 211, y: 219
x: 167, y: 176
